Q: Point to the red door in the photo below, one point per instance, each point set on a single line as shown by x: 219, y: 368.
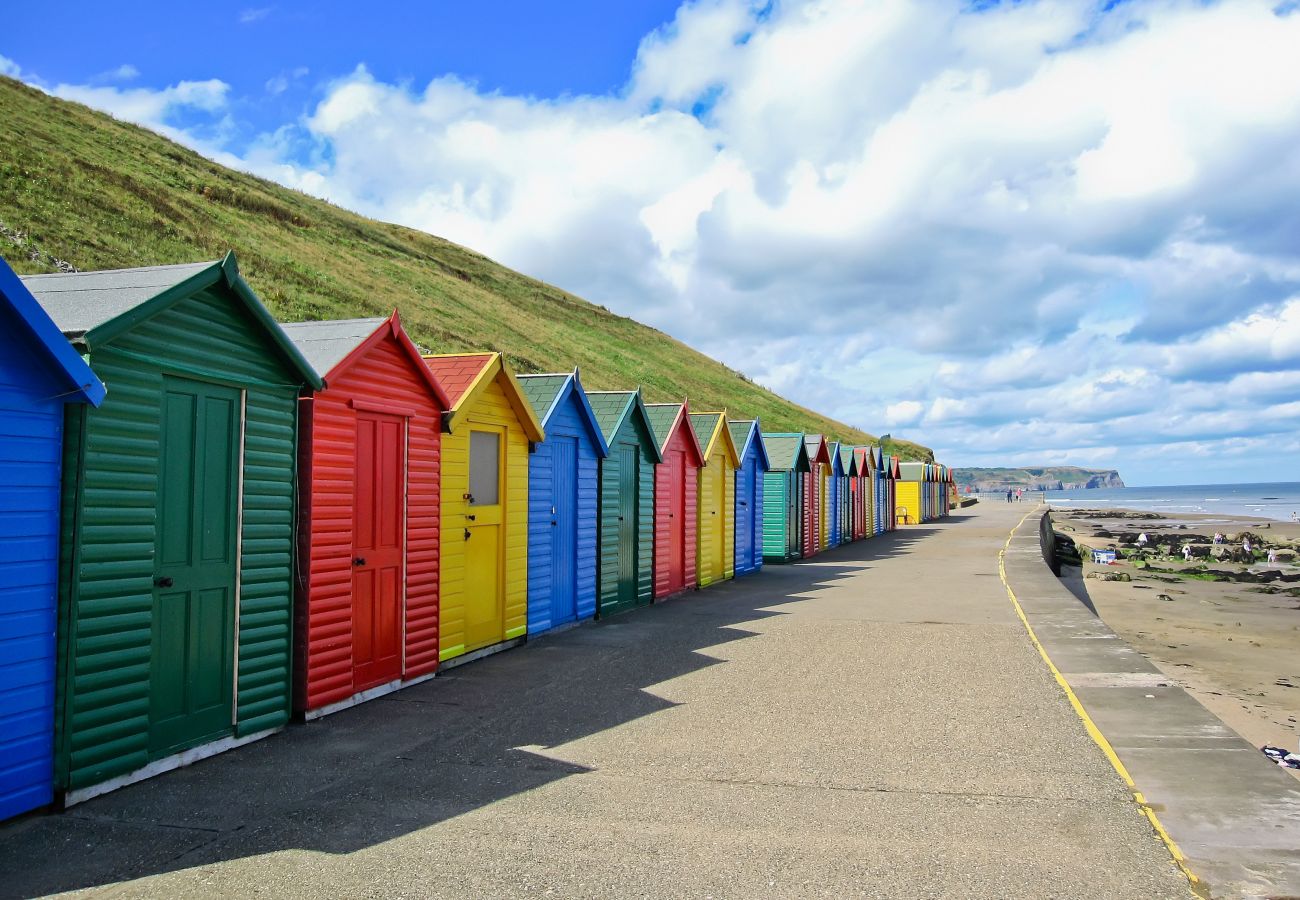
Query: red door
x: 378, y: 550
x: 677, y: 520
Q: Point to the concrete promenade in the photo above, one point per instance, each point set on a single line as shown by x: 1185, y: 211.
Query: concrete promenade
x: 873, y: 722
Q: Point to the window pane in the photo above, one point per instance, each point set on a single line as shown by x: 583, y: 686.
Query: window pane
x: 484, y: 468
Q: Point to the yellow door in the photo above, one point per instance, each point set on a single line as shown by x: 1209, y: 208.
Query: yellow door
x: 718, y: 521
x: 484, y: 537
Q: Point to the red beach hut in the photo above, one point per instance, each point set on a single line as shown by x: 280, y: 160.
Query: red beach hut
x: 814, y: 494
x: 367, y: 589
x: 675, y: 497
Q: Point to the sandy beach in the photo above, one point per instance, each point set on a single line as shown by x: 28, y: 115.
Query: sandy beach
x: 1226, y: 630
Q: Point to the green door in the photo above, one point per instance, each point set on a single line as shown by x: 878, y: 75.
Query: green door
x: 629, y: 458
x: 196, y: 553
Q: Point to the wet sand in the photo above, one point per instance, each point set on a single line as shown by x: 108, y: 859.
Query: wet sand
x: 1234, y: 645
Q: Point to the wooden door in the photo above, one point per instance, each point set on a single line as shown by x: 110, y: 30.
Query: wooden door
x: 195, y: 576
x: 564, y: 530
x: 378, y: 550
x: 745, y: 536
x: 629, y: 488
x: 484, y: 536
x: 676, y: 520
x: 719, y: 520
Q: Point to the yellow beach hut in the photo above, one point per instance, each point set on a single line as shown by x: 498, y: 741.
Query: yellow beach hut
x: 716, y: 536
x: 909, y: 502
x: 488, y: 432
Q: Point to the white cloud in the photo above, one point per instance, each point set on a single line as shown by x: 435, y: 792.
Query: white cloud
x: 1042, y: 228
x: 254, y: 14
x: 9, y: 68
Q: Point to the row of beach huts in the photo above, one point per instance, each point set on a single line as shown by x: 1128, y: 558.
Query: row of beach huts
x: 212, y: 523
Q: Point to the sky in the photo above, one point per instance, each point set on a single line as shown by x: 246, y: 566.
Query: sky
x: 1028, y: 233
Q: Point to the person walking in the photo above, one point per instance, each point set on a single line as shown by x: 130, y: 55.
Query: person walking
x: 1008, y: 495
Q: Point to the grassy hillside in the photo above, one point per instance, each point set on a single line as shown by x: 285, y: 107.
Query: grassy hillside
x: 80, y: 187
x: 1051, y: 478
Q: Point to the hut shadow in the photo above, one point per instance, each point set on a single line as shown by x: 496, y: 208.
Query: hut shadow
x: 474, y: 735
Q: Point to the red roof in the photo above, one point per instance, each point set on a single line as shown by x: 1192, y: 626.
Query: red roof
x: 456, y: 373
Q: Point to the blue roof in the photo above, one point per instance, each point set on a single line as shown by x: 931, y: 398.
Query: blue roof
x: 81, y: 381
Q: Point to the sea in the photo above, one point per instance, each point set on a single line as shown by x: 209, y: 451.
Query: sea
x: 1279, y: 501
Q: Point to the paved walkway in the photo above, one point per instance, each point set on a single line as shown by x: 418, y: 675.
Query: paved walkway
x: 873, y: 722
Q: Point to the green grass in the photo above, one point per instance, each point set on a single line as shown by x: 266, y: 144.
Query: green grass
x: 80, y: 187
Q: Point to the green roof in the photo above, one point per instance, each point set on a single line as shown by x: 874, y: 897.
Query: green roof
x: 705, y: 424
x: 846, y: 458
x: 541, y: 390
x: 662, y: 416
x: 785, y: 450
x: 740, y: 433
x: 610, y: 407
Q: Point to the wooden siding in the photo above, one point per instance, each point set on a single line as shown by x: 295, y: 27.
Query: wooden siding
x: 718, y: 467
x: 631, y: 433
x: 568, y: 421
x: 107, y: 592
x: 780, y: 530
x: 908, y: 501
x: 663, y: 498
x: 384, y: 375
x: 31, y: 428
x: 489, y: 407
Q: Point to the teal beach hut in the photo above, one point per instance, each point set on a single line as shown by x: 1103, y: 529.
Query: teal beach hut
x: 177, y: 541
x: 40, y: 373
x: 783, y: 505
x: 625, y: 545
x: 747, y: 435
x: 563, y: 490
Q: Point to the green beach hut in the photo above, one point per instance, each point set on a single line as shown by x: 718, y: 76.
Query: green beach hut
x: 625, y: 543
x: 783, y: 485
x: 177, y: 537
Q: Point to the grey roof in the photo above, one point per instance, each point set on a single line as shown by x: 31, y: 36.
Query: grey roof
x: 911, y: 471
x: 785, y: 449
x: 739, y: 429
x: 662, y: 416
x: 609, y: 408
x: 541, y: 391
x: 79, y: 302
x: 326, y: 344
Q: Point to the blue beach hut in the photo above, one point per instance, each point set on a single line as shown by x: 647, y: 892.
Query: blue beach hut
x: 39, y: 372
x: 836, y: 495
x: 563, y: 495
x: 747, y: 435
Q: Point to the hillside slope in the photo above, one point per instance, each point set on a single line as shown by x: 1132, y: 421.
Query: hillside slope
x: 81, y: 187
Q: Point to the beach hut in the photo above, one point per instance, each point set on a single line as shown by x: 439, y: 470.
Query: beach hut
x: 177, y: 560
x: 40, y: 373
x: 487, y: 435
x: 834, y: 495
x: 366, y: 617
x: 859, y: 493
x: 563, y: 494
x: 816, y: 484
x: 676, y: 485
x: 885, y: 473
x: 747, y: 435
x: 783, y: 487
x: 627, y: 501
x: 715, y: 551
x: 909, y: 504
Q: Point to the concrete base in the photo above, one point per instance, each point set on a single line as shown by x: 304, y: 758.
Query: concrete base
x: 479, y: 654
x: 363, y: 696
x: 166, y: 764
x: 1233, y: 814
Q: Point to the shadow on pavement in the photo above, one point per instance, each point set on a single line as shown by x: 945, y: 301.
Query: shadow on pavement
x: 420, y: 756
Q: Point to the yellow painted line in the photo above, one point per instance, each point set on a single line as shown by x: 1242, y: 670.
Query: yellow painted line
x: 1093, y: 731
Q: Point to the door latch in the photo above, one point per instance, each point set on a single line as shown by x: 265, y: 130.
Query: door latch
x: 163, y: 581
x: 359, y: 561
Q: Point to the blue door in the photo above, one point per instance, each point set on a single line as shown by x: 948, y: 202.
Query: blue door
x: 745, y: 519
x: 564, y: 528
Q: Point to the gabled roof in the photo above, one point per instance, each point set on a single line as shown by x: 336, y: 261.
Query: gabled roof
x: 912, y: 471
x: 38, y: 328
x: 817, y: 449
x: 786, y: 451
x: 464, y: 375
x: 665, y: 419
x: 333, y: 347
x: 848, y: 460
x: 611, y: 408
x: 92, y: 308
x: 746, y: 433
x: 546, y: 393
x: 711, y: 428
x: 837, y: 462
x: 865, y: 459
x: 892, y: 467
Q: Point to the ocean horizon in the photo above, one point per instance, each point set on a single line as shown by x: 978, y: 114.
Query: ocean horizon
x: 1278, y: 501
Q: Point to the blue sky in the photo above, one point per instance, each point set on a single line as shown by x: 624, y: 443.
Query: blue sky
x: 1049, y: 231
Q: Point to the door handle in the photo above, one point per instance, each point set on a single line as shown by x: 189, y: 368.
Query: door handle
x: 472, y: 518
x: 163, y: 581
x: 467, y: 534
x: 359, y: 561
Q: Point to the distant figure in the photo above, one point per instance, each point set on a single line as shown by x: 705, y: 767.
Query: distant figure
x: 1272, y: 557
x: 1295, y: 517
x: 1142, y: 539
x: 1187, y: 552
x: 1218, y: 537
x: 1008, y: 495
x: 1245, y: 547
x: 1018, y: 493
